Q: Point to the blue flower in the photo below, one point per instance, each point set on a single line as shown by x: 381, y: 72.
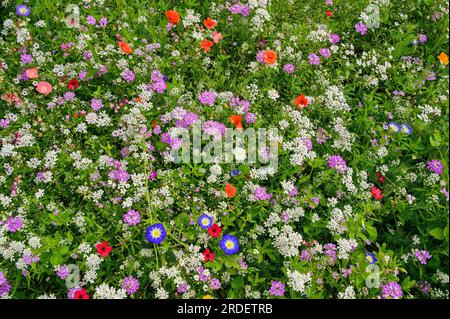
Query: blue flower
x: 406, y: 129
x: 23, y: 10
x: 371, y: 259
x: 229, y: 244
x: 155, y: 233
x: 394, y: 127
x: 205, y: 221
x: 235, y: 172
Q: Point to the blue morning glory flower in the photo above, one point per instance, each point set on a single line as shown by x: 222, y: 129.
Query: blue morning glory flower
x: 406, y: 129
x: 394, y: 127
x: 371, y: 259
x: 23, y: 10
x: 235, y: 172
x: 205, y: 221
x: 229, y: 244
x: 156, y: 233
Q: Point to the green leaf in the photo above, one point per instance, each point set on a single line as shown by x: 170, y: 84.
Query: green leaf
x: 437, y: 233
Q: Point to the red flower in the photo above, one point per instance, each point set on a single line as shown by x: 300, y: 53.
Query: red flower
x: 104, y: 249
x: 301, y: 101
x: 206, y: 45
x: 208, y: 255
x: 209, y: 23
x: 236, y: 120
x: 376, y: 193
x: 230, y: 190
x: 380, y: 177
x: 73, y: 84
x: 81, y: 294
x: 215, y: 230
x: 329, y: 13
x: 173, y: 16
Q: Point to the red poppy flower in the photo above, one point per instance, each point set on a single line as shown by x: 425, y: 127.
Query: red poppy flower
x: 380, y: 178
x: 329, y: 13
x: 206, y: 45
x: 209, y: 23
x: 125, y: 47
x: 215, y: 230
x: 301, y: 101
x: 173, y: 16
x: 208, y: 255
x: 236, y: 120
x: 376, y: 193
x: 73, y: 84
x: 230, y: 190
x: 269, y: 56
x: 104, y: 249
x: 81, y: 294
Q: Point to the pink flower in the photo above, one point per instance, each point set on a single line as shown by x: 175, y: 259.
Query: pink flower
x: 32, y: 73
x: 44, y: 87
x: 217, y: 36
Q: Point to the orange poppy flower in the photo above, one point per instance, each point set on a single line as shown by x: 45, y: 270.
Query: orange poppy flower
x: 138, y: 100
x: 301, y: 101
x: 125, y: 47
x: 443, y: 58
x: 206, y: 45
x: 230, y: 190
x: 269, y: 56
x: 236, y: 120
x: 173, y: 16
x: 209, y: 23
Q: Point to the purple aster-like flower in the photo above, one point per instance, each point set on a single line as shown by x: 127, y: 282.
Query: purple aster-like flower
x: 314, y: 59
x: 422, y: 38
x: 91, y: 20
x: 119, y: 175
x: 132, y: 217
x: 361, y: 28
x: 23, y: 10
x: 250, y: 118
x: 334, y: 38
x: 62, y: 272
x: 130, y: 285
x: 13, y: 224
x: 96, y: 104
x: 103, y: 22
x: 277, y: 288
x: 207, y: 98
x: 325, y: 52
x: 215, y: 284
x: 435, y: 166
x: 182, y: 288
x: 5, y: 286
x: 128, y: 75
x: 338, y: 163
x: 214, y: 128
x: 260, y: 193
x: 288, y: 68
x: 391, y: 290
x: 423, y: 256
x: 26, y: 58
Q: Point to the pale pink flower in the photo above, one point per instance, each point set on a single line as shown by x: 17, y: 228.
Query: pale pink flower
x: 217, y: 36
x: 44, y: 87
x: 32, y: 73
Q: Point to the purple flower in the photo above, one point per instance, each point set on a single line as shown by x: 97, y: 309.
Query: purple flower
x: 130, y: 285
x: 334, y: 38
x: 119, y: 175
x: 214, y: 284
x: 326, y: 53
x: 207, y: 98
x: 128, y: 75
x: 68, y: 96
x: 132, y: 217
x: 91, y: 20
x: 26, y: 58
x: 391, y: 290
x: 314, y: 59
x: 435, y: 166
x: 103, y: 22
x: 62, y: 272
x: 5, y: 287
x: 14, y: 224
x: 87, y: 54
x: 277, y: 288
x: 182, y: 288
x: 338, y: 163
x: 260, y: 193
x: 422, y: 38
x: 23, y: 10
x: 214, y: 128
x: 445, y: 192
x: 96, y: 104
x: 288, y: 68
x: 423, y: 256
x: 250, y: 118
x: 361, y: 28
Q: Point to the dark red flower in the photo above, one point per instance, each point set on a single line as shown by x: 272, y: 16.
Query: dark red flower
x: 380, y: 177
x: 73, y: 84
x: 376, y: 193
x: 104, y: 249
x: 208, y: 255
x: 329, y: 13
x: 81, y: 294
x: 215, y: 230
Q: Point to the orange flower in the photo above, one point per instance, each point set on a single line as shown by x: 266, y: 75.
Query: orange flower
x: 236, y: 120
x: 209, y: 23
x: 138, y: 99
x: 173, y: 16
x: 206, y: 45
x: 301, y: 101
x: 230, y: 190
x: 443, y: 58
x: 125, y: 47
x: 269, y: 56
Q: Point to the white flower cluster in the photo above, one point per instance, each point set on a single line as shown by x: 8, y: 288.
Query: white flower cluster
x: 287, y: 241
x: 349, y: 293
x: 345, y: 247
x: 426, y: 111
x: 297, y: 280
x: 345, y: 139
x: 106, y: 292
x: 334, y: 100
x: 338, y: 221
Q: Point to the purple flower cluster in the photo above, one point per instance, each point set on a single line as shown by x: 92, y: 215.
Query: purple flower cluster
x: 207, y: 98
x: 435, y: 166
x: 132, y: 217
x: 158, y: 84
x: 288, y: 68
x: 338, y: 163
x: 128, y: 75
x: 96, y: 104
x: 119, y: 175
x: 391, y: 290
x: 242, y: 9
x: 260, y: 193
x: 423, y: 256
x: 214, y: 128
x: 314, y: 59
x: 277, y: 288
x: 14, y: 224
x: 5, y: 287
x: 62, y: 272
x: 361, y: 28
x: 334, y: 38
x: 130, y: 285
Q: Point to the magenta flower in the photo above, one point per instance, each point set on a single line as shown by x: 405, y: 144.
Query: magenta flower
x: 132, y: 217
x: 314, y: 59
x: 391, y: 290
x: 277, y: 288
x: 361, y: 28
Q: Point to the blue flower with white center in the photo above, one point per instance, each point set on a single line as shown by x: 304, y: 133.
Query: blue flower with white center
x: 371, y: 259
x: 394, y: 127
x: 156, y: 233
x: 229, y: 244
x: 23, y: 10
x: 406, y: 129
x: 205, y: 221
